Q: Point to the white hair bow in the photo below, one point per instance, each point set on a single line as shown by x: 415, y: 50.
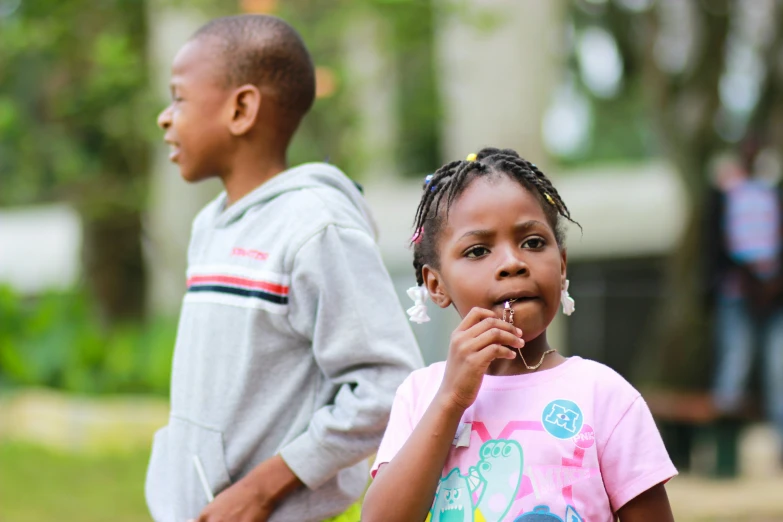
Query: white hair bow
x: 418, y: 312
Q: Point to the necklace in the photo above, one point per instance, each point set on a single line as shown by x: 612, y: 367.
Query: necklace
x: 540, y: 362
x: 508, y: 316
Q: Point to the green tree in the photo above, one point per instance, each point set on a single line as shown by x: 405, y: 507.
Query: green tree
x: 682, y: 57
x: 77, y: 114
x: 330, y: 130
x: 74, y: 117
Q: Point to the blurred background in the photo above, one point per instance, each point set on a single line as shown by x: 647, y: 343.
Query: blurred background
x: 635, y: 108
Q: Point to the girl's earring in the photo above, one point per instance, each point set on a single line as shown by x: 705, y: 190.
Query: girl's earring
x: 418, y: 312
x: 566, y: 300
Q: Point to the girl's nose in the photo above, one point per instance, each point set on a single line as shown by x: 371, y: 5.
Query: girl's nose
x: 512, y: 265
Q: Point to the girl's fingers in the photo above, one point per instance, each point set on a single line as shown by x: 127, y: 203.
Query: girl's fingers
x: 495, y: 336
x: 494, y: 351
x: 492, y: 323
x: 474, y: 317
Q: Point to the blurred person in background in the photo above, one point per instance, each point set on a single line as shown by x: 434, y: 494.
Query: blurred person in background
x: 745, y: 277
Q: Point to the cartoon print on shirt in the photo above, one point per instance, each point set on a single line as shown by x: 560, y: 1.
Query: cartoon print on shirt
x: 542, y: 514
x: 562, y: 419
x: 453, y: 500
x: 500, y: 471
x: 494, y: 482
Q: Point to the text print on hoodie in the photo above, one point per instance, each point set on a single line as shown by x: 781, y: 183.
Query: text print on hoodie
x: 291, y: 340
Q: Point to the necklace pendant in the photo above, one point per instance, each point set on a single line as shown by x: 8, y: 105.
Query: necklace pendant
x: 508, y: 316
x: 508, y: 312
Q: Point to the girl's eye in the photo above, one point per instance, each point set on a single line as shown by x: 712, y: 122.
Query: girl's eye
x: 476, y: 251
x: 534, y: 243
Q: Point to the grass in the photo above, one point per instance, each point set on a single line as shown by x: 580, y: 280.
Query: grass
x: 38, y: 485
x: 42, y: 485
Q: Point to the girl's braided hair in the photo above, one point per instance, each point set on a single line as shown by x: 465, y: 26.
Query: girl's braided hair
x: 451, y: 180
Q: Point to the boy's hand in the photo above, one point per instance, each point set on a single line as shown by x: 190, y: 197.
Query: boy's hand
x: 239, y: 502
x: 478, y: 340
x: 254, y: 497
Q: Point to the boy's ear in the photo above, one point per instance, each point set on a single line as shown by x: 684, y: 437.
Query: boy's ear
x: 434, y: 285
x: 245, y: 106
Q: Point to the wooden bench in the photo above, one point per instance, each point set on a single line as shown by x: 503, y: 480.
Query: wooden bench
x: 686, y: 419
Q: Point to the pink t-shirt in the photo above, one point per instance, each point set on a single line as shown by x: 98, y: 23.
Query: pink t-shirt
x: 570, y: 444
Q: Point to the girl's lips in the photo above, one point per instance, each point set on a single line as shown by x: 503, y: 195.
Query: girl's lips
x: 512, y: 300
x: 174, y: 153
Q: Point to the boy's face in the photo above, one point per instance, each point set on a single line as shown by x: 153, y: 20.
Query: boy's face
x: 496, y: 245
x: 195, y: 121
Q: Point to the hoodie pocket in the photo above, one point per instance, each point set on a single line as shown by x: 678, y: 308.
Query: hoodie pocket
x: 192, y: 467
x: 155, y: 485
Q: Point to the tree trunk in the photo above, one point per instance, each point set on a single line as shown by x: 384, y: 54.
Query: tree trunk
x: 678, y: 351
x: 114, y: 265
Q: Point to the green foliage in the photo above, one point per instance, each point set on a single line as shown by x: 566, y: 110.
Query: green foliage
x: 418, y: 107
x: 41, y: 485
x: 330, y: 131
x: 327, y: 131
x: 621, y: 129
x: 407, y: 37
x: 55, y: 341
x: 74, y: 103
x: 76, y: 110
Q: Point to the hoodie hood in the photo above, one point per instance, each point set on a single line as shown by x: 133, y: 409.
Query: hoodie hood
x: 308, y: 175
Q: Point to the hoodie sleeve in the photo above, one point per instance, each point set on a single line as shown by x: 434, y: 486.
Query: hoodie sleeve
x: 342, y: 299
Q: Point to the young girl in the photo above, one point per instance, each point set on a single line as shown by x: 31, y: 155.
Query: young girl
x: 507, y: 429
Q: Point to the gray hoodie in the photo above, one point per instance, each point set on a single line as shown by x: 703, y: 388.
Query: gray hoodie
x: 291, y: 340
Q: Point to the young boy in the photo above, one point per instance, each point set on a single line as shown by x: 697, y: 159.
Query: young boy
x: 291, y: 340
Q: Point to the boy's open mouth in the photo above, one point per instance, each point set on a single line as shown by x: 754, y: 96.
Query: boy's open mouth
x: 173, y: 152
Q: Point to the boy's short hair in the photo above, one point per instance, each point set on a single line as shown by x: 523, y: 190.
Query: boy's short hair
x: 267, y: 52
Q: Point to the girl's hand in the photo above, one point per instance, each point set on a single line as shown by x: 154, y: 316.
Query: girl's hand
x: 478, y: 340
